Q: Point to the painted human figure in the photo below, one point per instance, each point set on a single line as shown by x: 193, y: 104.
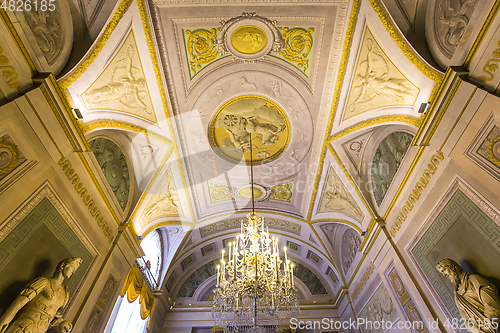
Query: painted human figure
x: 41, y: 303
x: 476, y: 298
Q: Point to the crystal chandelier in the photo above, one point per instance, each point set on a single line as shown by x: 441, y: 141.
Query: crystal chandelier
x: 254, y: 283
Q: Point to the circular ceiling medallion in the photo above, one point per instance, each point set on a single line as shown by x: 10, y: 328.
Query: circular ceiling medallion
x: 249, y: 120
x: 249, y: 39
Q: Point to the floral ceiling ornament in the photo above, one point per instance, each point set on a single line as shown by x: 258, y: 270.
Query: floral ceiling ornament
x: 201, y: 48
x: 297, y: 46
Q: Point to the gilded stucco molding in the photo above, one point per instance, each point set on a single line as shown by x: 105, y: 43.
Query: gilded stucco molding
x: 103, y: 39
x: 376, y: 121
x: 336, y: 95
x: 366, y: 276
x: 482, y: 33
x: 101, y: 124
x: 18, y: 41
x: 83, y: 192
x: 416, y: 193
x: 405, y: 48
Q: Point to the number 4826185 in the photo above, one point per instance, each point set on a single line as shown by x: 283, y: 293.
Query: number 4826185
x: 28, y: 5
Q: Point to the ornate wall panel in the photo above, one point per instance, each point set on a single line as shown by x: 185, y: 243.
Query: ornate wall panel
x: 13, y: 163
x: 484, y: 150
x: 386, y: 162
x: 95, y: 321
x: 377, y: 82
x: 355, y: 148
x: 200, y: 47
x: 404, y: 299
x: 197, y: 278
x: 298, y: 43
x: 462, y: 231
x: 351, y: 241
x: 114, y: 167
x: 450, y: 20
x: 39, y: 235
x: 379, y: 307
x: 337, y: 198
x: 165, y: 201
x: 310, y: 279
x: 122, y: 85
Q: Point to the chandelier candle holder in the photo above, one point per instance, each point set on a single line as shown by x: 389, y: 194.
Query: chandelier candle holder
x: 253, y: 282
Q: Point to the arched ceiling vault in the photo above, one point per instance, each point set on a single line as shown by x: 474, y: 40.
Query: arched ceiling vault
x: 313, y: 90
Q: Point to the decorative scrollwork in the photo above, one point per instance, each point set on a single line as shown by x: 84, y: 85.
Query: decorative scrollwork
x: 219, y: 193
x: 282, y: 192
x: 297, y: 46
x: 11, y: 153
x: 491, y: 65
x: 200, y: 44
x: 493, y: 149
x: 9, y: 72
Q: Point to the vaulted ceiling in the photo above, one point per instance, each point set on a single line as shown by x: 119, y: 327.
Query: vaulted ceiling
x: 325, y: 91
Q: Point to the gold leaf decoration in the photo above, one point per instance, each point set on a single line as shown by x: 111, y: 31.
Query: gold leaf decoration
x: 219, y: 193
x: 200, y: 48
x: 282, y: 192
x: 298, y: 43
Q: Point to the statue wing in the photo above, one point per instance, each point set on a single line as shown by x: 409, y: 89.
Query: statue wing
x: 34, y: 288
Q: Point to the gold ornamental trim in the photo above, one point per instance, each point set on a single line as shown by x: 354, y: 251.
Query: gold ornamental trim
x: 103, y: 39
x: 375, y: 121
x: 14, y: 150
x: 405, y: 48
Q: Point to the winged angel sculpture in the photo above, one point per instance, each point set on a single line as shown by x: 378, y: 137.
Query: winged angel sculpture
x: 124, y: 87
x: 373, y: 81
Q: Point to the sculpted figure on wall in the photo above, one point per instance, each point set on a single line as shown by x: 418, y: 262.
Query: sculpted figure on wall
x: 453, y: 15
x: 351, y: 242
x: 476, y: 298
x: 386, y: 161
x: 125, y: 86
x: 47, y: 30
x: 376, y: 81
x: 41, y: 303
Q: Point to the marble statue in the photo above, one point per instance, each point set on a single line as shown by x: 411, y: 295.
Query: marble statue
x: 41, y: 303
x: 476, y: 298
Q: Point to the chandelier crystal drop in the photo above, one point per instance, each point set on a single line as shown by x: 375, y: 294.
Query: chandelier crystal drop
x: 254, y: 284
